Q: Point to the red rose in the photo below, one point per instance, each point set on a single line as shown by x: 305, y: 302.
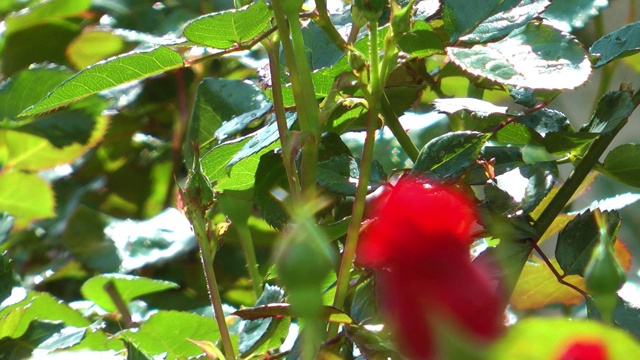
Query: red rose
x: 418, y: 247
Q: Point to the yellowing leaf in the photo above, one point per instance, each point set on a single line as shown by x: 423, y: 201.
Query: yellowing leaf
x: 27, y: 197
x: 538, y: 287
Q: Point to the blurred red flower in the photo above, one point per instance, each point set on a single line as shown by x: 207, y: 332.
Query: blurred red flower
x: 585, y: 349
x: 418, y: 246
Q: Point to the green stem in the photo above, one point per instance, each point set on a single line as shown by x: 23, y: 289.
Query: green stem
x: 351, y: 243
x: 206, y: 255
x: 324, y: 22
x: 393, y: 123
x: 281, y: 118
x: 474, y: 92
x: 303, y: 91
x: 246, y: 242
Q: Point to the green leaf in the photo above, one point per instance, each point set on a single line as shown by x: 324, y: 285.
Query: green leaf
x: 270, y: 175
x: 373, y: 345
x: 6, y: 224
x: 545, y: 121
x: 462, y: 16
x: 613, y: 107
x: 535, y: 56
x: 518, y: 135
x: 214, y: 163
x: 563, y: 143
x: 261, y: 139
x: 37, y: 333
x: 554, y: 335
x: 261, y: 335
x: 477, y: 107
x: 364, y: 308
x: 578, y: 239
x: 320, y: 49
x: 501, y: 158
x: 15, y: 319
x: 448, y: 156
x: 627, y: 317
x: 623, y: 164
x: 568, y: 15
x: 340, y: 175
x: 93, y: 46
x: 617, y: 202
x: 27, y: 197
x: 129, y: 287
x: 168, y: 331
x: 225, y: 29
x: 44, y: 11
x: 27, y: 87
x: 133, y: 353
x: 422, y: 41
x: 135, y: 65
x: 618, y: 44
x: 510, y: 15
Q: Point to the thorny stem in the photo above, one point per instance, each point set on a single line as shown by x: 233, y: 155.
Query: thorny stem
x: 207, y: 254
x: 375, y: 91
x: 555, y: 272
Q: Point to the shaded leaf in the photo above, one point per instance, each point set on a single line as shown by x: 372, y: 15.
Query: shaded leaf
x: 340, y: 175
x: 135, y: 65
x: 225, y: 29
x: 554, y: 335
x: 511, y: 14
x: 622, y: 164
x: 37, y: 333
x: 613, y: 107
x: 535, y: 56
x: 321, y: 50
x: 545, y: 121
x: 129, y: 287
x: 448, y: 156
x: 168, y: 331
x: 563, y: 143
x: 6, y: 224
x: 463, y: 16
x: 568, y: 15
x: 271, y: 175
x: 538, y: 287
x: 6, y: 276
x: 27, y: 197
x: 618, y: 44
x: 578, y: 239
x: 372, y: 345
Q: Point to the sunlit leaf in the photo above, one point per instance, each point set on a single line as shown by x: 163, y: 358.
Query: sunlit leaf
x: 618, y: 44
x: 45, y: 11
x: 168, y: 331
x: 535, y: 56
x: 568, y: 15
x: 225, y: 29
x: 511, y: 14
x: 27, y: 197
x: 93, y: 46
x: 127, y: 286
x: 107, y: 74
x: 538, y: 287
x: 474, y: 106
